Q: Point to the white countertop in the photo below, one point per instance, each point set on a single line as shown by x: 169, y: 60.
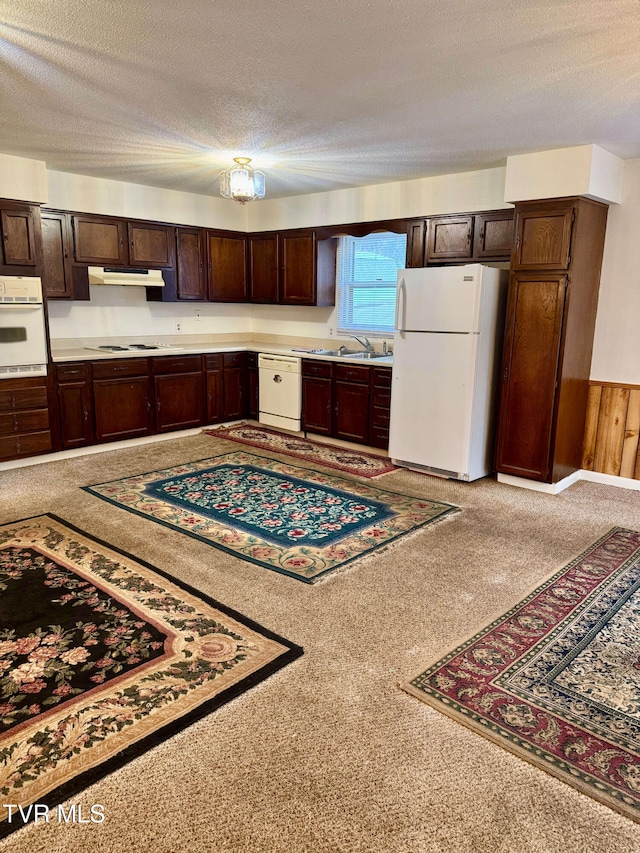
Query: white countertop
x: 79, y: 352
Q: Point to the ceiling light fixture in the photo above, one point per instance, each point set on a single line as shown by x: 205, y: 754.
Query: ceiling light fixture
x: 241, y: 182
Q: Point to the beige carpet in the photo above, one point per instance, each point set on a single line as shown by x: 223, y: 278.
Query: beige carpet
x: 329, y: 754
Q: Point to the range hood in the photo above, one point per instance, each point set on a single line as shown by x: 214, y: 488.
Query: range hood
x: 124, y: 276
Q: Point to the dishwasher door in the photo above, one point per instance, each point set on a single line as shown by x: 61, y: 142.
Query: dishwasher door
x: 280, y: 391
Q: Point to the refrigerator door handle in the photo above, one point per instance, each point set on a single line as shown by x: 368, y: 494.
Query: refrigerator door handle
x: 401, y: 298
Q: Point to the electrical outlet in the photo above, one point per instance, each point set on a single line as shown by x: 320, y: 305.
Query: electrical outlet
x: 330, y: 333
x: 197, y: 313
x: 178, y: 328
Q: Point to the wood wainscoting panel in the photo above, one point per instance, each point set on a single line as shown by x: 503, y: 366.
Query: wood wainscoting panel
x: 612, y: 430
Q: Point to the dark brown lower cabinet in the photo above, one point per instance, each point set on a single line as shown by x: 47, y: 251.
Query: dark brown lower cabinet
x: 351, y: 403
x: 214, y: 397
x: 74, y: 404
x: 380, y: 414
x: 317, y: 405
x: 24, y: 418
x: 234, y: 384
x: 346, y: 401
x: 122, y: 399
x: 252, y: 385
x: 177, y: 385
x: 530, y: 367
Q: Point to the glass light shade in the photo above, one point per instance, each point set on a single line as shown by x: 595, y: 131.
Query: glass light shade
x: 241, y: 182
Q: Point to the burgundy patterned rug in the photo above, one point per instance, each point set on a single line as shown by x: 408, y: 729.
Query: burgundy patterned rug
x: 102, y: 657
x: 556, y: 679
x: 350, y: 461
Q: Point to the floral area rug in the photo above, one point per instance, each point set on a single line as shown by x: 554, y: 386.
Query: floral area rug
x: 556, y: 679
x: 298, y: 522
x: 351, y: 462
x: 102, y: 657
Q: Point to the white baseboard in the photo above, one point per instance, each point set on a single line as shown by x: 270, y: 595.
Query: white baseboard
x: 561, y: 485
x: 536, y: 486
x: 611, y: 480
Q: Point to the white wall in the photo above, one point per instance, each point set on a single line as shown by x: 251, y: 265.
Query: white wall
x: 457, y: 193
x: 23, y: 179
x: 616, y: 353
x: 586, y: 170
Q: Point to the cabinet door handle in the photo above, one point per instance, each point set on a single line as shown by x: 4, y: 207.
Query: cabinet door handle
x: 506, y: 374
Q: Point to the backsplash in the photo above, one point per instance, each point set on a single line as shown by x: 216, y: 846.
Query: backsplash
x: 124, y: 311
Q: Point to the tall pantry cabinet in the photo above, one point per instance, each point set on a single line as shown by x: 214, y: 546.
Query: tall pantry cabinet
x: 551, y: 312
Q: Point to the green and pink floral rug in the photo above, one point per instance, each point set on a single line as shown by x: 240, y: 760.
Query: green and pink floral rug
x: 556, y: 679
x: 101, y: 658
x: 298, y: 522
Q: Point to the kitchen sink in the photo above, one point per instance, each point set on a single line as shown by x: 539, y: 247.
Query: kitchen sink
x: 350, y: 353
x: 366, y: 355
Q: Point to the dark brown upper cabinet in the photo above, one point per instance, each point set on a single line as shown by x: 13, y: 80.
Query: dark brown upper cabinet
x: 543, y: 236
x: 416, y: 242
x: 449, y: 238
x: 493, y: 237
x: 307, y: 269
x: 57, y: 277
x: 263, y: 267
x: 191, y: 280
x: 100, y: 241
x: 19, y: 235
x: 151, y: 246
x: 228, y: 279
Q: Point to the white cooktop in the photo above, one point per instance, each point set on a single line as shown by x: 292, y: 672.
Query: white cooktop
x: 134, y: 348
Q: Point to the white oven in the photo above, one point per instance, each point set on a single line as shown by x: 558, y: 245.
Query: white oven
x: 23, y: 347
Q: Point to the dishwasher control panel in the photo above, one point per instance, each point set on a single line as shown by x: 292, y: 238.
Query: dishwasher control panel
x: 281, y: 363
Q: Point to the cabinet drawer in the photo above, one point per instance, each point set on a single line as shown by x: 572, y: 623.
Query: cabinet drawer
x: 316, y: 368
x: 381, y: 376
x: 234, y: 359
x: 23, y: 398
x: 213, y: 362
x: 351, y: 372
x: 380, y: 418
x: 72, y: 372
x: 34, y: 442
x: 120, y: 367
x: 381, y: 397
x: 379, y: 437
x: 25, y: 445
x: 177, y: 364
x: 252, y: 359
x: 27, y: 421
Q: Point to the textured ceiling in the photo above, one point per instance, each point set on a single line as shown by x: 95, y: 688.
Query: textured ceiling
x: 322, y: 95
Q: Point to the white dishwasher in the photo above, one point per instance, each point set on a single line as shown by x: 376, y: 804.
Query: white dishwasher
x: 280, y: 391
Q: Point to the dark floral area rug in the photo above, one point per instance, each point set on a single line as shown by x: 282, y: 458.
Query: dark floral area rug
x: 298, y: 522
x: 342, y: 458
x: 556, y: 679
x: 102, y: 657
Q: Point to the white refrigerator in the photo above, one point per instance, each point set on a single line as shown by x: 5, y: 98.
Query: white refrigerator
x: 446, y: 361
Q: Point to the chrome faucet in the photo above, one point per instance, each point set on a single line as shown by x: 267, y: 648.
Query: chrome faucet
x: 366, y: 343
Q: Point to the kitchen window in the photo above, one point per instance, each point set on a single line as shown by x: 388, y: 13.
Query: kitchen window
x: 366, y: 274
